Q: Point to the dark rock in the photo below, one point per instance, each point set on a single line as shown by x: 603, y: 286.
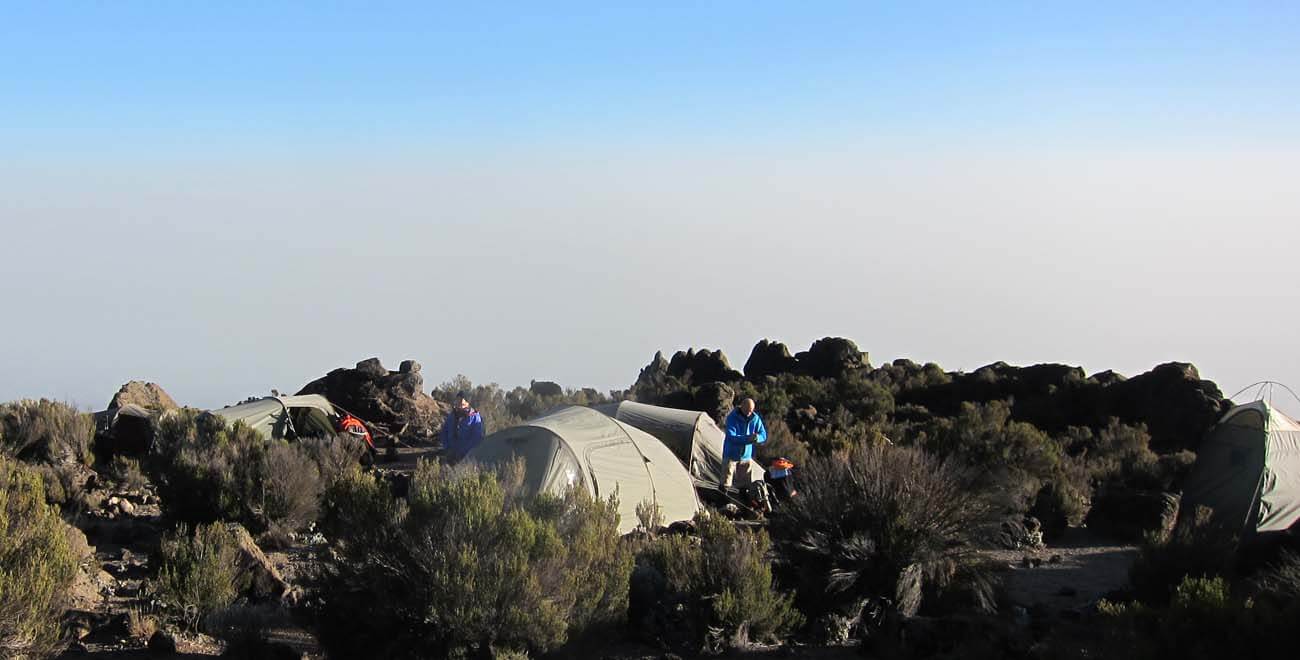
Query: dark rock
x: 395, y: 400
x: 162, y: 643
x: 1068, y: 592
x: 545, y: 388
x: 1128, y: 514
x: 831, y: 357
x: 149, y: 396
x: 264, y: 580
x: 1174, y: 403
x: 702, y: 366
x: 769, y: 358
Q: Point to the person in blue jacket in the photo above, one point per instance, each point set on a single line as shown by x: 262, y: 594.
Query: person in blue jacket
x: 744, y: 430
x: 462, y: 430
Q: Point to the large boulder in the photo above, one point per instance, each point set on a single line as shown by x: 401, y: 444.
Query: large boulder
x: 1177, y: 406
x: 263, y: 578
x: 149, y: 396
x: 545, y: 388
x: 393, y: 399
x: 702, y: 366
x: 769, y: 358
x: 831, y: 357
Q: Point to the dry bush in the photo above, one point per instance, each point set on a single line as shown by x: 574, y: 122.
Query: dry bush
x: 1196, y: 548
x: 126, y: 474
x: 198, y: 573
x: 883, y: 523
x: 207, y: 471
x: 712, y: 592
x: 46, y: 431
x: 334, y: 456
x: 37, y: 565
x: 465, y: 564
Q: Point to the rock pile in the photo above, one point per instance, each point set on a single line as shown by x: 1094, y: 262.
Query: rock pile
x: 392, y: 399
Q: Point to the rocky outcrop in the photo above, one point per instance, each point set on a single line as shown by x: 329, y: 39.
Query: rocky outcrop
x: 393, y: 399
x: 769, y: 358
x: 702, y: 366
x: 545, y: 388
x: 149, y: 396
x: 831, y: 357
x: 1177, y: 406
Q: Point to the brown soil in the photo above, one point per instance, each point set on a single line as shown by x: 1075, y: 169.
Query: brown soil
x: 1072, y: 572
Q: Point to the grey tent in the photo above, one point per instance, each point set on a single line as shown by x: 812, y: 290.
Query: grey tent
x: 281, y: 417
x: 126, y: 430
x: 690, y: 434
x: 1247, y: 471
x: 579, y: 447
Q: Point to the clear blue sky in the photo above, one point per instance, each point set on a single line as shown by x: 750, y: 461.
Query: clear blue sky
x: 528, y: 191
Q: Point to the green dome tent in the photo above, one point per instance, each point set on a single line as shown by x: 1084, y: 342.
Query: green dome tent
x: 691, y: 435
x: 284, y: 417
x: 1247, y: 471
x: 579, y: 447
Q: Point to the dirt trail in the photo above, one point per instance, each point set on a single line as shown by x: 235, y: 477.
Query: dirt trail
x: 1076, y: 570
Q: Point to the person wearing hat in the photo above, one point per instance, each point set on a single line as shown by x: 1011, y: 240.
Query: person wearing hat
x: 462, y: 430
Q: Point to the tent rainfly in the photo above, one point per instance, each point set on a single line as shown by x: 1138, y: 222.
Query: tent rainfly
x: 691, y: 435
x: 281, y: 417
x: 579, y: 447
x: 1247, y: 471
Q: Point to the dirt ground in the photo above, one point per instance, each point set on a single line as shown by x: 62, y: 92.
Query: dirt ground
x: 1073, y: 572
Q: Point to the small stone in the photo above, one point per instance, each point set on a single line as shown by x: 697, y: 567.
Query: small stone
x: 113, y: 501
x: 126, y: 507
x: 1056, y: 559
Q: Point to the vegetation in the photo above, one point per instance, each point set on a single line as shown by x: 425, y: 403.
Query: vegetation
x: 46, y: 431
x: 505, y: 408
x: 1196, y: 548
x: 199, y: 572
x: 465, y: 563
x: 886, y: 524
x: 37, y: 565
x: 714, y: 592
x: 207, y: 471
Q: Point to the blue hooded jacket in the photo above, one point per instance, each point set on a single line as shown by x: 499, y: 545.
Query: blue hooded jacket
x: 461, y: 434
x: 737, y: 446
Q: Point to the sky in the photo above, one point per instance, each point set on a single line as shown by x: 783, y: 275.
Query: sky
x: 226, y: 198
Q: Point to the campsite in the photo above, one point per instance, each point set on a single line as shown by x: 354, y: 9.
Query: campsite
x: 1030, y: 512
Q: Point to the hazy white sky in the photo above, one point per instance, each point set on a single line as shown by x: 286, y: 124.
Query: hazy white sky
x: 1111, y: 210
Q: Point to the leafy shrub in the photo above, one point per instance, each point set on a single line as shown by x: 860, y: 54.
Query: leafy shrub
x: 207, y: 471
x: 880, y: 522
x: 46, y: 431
x: 1196, y: 548
x: 37, y: 565
x: 781, y: 443
x: 199, y: 572
x: 721, y: 582
x: 126, y: 473
x: 466, y: 562
x: 334, y: 456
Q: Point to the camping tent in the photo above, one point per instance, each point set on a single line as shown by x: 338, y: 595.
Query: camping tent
x: 1247, y: 471
x: 282, y: 417
x: 126, y: 430
x: 690, y: 434
x: 577, y: 446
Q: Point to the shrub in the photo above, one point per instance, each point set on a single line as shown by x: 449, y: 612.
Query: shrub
x: 198, y: 573
x: 879, y: 523
x: 126, y: 473
x: 1196, y: 548
x: 466, y: 562
x: 721, y: 581
x: 37, y: 565
x: 46, y: 431
x: 781, y: 443
x: 334, y: 456
x: 207, y: 471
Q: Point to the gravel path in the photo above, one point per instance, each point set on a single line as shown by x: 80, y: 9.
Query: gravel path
x: 1076, y: 570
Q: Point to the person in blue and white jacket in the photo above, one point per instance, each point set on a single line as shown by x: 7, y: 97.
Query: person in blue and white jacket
x: 744, y: 430
x: 462, y: 430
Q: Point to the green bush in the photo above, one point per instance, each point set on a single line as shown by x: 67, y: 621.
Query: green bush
x: 1196, y: 548
x: 885, y: 523
x: 715, y: 592
x: 126, y: 474
x: 207, y: 471
x: 198, y: 573
x: 46, y: 431
x: 37, y: 565
x: 466, y: 563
